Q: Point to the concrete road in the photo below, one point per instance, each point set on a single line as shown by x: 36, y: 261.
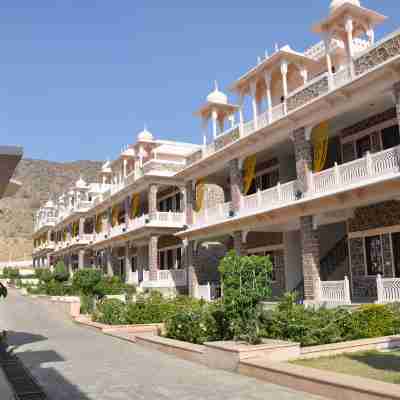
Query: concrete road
x: 73, y: 362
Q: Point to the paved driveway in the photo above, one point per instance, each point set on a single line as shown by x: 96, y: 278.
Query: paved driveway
x: 74, y: 362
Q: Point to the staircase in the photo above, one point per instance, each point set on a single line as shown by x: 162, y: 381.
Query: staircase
x: 334, y: 265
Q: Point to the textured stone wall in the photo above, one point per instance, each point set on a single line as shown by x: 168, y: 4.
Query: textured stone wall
x: 378, y: 55
x: 189, y: 197
x: 194, y: 157
x: 224, y: 140
x: 236, y: 181
x: 159, y: 166
x: 310, y: 256
x: 388, y: 266
x: 260, y: 239
x: 309, y: 93
x: 153, y: 257
x: 378, y: 215
x: 304, y: 157
x: 152, y: 199
x: 396, y: 91
x: 279, y: 286
x: 238, y: 243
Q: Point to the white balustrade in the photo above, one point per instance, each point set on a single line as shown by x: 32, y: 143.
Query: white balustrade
x: 248, y: 127
x: 382, y: 164
x: 388, y: 289
x: 213, y: 214
x: 341, y: 77
x: 337, y: 292
x: 176, y: 276
x: 209, y: 291
x: 278, y: 112
x: 170, y: 217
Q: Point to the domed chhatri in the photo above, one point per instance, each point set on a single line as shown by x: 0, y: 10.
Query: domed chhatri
x: 145, y: 135
x: 217, y: 96
x: 80, y: 183
x: 335, y: 4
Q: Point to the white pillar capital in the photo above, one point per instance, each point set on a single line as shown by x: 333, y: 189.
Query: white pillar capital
x: 284, y: 67
x: 349, y: 25
x: 267, y: 78
x: 304, y: 74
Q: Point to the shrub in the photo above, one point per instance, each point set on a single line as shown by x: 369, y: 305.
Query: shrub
x: 246, y: 281
x: 46, y: 276
x: 110, y: 311
x: 109, y: 285
x: 85, y: 280
x: 61, y: 273
x: 87, y: 304
x: 55, y: 288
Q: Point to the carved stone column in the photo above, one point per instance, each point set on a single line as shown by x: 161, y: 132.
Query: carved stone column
x: 153, y: 258
x: 236, y: 182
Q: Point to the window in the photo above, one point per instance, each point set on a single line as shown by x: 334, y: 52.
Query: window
x: 170, y: 259
x: 363, y: 145
x: 178, y: 202
x: 162, y: 260
x: 179, y: 258
x: 265, y: 180
x: 134, y: 264
x: 390, y: 137
x: 171, y: 203
x: 373, y: 249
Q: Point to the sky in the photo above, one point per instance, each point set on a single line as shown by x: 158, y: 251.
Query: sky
x: 80, y: 78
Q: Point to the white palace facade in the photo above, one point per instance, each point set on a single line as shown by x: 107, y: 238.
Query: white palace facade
x: 304, y: 167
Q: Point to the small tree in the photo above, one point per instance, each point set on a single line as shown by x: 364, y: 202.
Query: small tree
x: 85, y: 280
x: 246, y: 281
x: 61, y: 273
x: 46, y: 275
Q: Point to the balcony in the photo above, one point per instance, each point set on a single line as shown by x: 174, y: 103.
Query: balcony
x: 370, y: 169
x: 157, y: 220
x: 366, y: 60
x: 44, y: 246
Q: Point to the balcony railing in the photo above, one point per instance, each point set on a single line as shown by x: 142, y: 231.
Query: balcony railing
x: 214, y: 214
x: 386, y: 163
x: 176, y: 277
x: 159, y: 219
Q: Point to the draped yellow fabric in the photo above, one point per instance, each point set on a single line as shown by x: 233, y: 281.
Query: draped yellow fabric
x: 114, y: 216
x: 249, y: 168
x: 319, y: 137
x: 99, y: 223
x: 200, y: 189
x: 75, y: 229
x: 135, y: 203
x: 65, y: 235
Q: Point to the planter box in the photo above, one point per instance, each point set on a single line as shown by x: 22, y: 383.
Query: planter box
x: 228, y: 354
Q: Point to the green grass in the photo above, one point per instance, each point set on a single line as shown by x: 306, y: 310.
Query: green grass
x: 382, y: 366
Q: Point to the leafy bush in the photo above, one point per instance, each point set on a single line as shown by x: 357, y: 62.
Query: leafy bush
x: 87, y: 304
x: 309, y: 326
x: 46, y: 276
x: 60, y: 273
x: 110, y: 311
x: 85, y: 280
x: 109, y: 285
x: 246, y: 281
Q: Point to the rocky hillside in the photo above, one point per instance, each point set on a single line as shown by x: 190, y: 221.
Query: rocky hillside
x: 39, y: 178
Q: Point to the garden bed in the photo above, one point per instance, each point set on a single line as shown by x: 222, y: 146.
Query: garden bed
x: 380, y: 365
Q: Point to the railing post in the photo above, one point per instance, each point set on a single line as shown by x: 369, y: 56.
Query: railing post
x: 379, y: 289
x: 318, y: 291
x: 279, y: 190
x: 338, y: 179
x: 347, y: 298
x: 170, y: 216
x: 310, y: 179
x: 221, y: 210
x: 368, y: 159
x: 259, y: 198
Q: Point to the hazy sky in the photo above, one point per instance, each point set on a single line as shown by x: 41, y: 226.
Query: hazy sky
x: 79, y: 78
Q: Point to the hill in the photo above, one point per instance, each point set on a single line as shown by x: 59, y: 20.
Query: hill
x: 39, y: 178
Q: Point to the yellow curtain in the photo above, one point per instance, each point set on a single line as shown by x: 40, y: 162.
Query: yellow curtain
x: 135, y: 205
x: 319, y: 137
x: 99, y: 223
x: 64, y: 235
x: 200, y: 189
x: 114, y: 216
x: 75, y: 229
x: 249, y: 168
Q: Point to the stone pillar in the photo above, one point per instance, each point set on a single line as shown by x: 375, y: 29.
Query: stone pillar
x: 81, y: 227
x: 238, y: 243
x: 189, y: 202
x: 48, y: 260
x: 152, y: 199
x: 396, y: 93
x: 310, y: 257
x: 236, y: 182
x: 81, y: 259
x: 153, y: 258
x: 128, y: 267
x: 189, y: 258
x: 304, y: 158
x: 109, y: 263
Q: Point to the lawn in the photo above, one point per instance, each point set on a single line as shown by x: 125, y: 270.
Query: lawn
x: 382, y: 366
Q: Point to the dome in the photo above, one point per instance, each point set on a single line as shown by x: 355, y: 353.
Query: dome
x: 80, y: 183
x: 145, y: 135
x: 217, y: 96
x: 335, y: 4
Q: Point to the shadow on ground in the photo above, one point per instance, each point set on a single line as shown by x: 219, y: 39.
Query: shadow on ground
x: 388, y: 361
x: 55, y: 385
